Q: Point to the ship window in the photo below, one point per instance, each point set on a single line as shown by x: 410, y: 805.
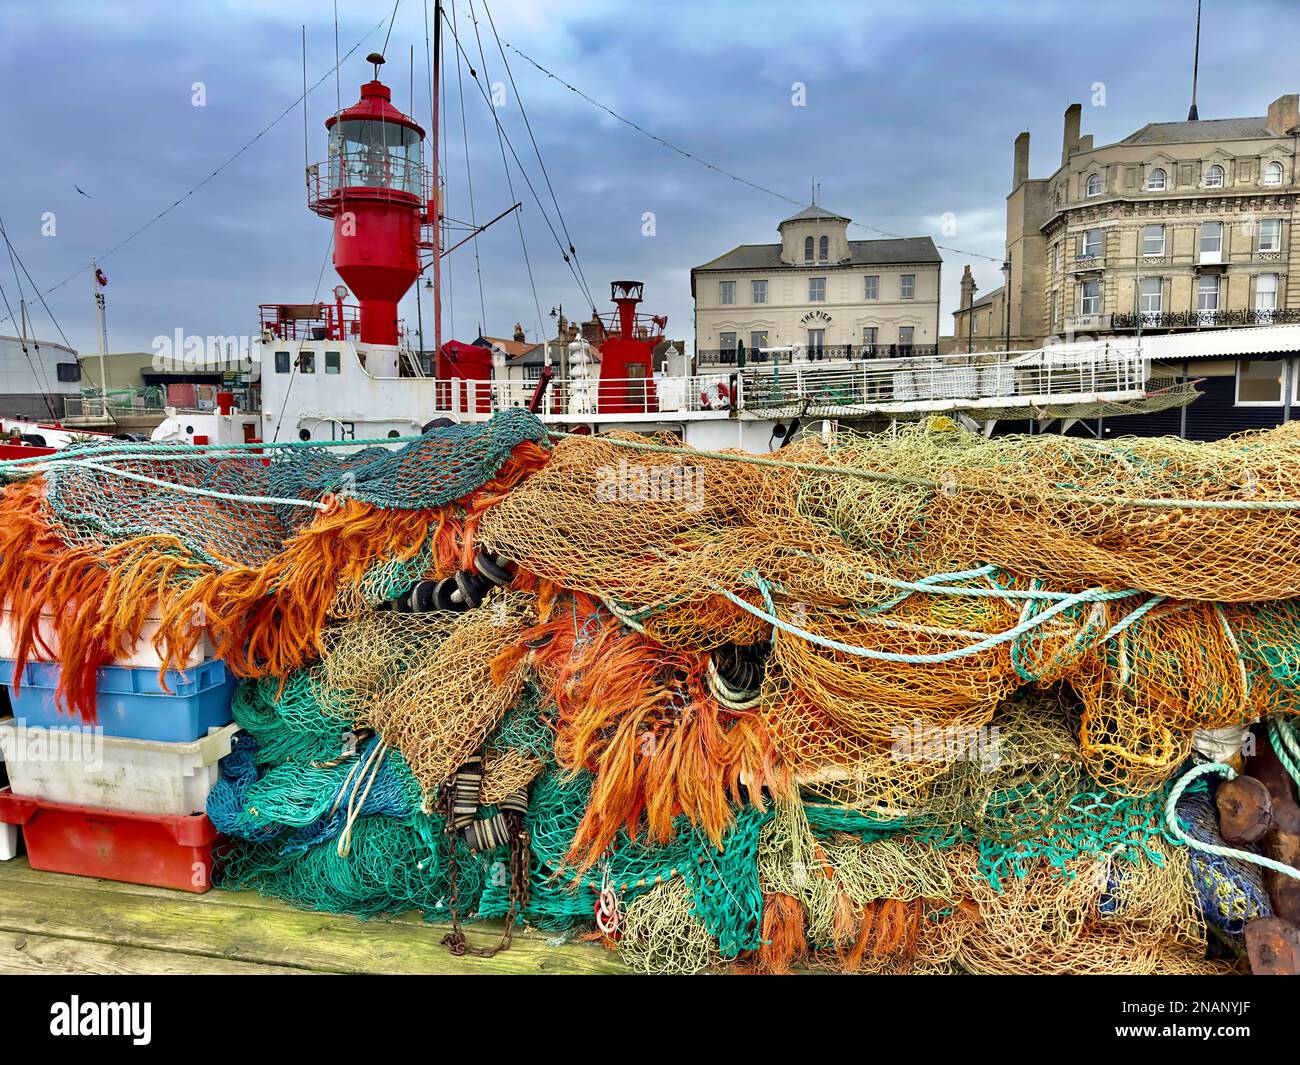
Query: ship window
x: 304, y: 434
x: 393, y: 434
x: 332, y: 362
x: 69, y: 371
x: 307, y: 362
x: 376, y: 154
x: 281, y: 362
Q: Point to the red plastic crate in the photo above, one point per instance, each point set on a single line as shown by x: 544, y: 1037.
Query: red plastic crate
x: 159, y: 850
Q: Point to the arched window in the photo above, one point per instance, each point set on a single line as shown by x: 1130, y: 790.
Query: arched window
x: 1214, y: 177
x: 1156, y: 180
x: 823, y: 249
x: 1273, y: 174
x: 808, y: 249
x: 1094, y: 185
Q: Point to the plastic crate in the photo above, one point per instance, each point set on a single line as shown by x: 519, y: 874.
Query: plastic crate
x: 8, y: 842
x: 141, y: 653
x: 131, y: 702
x: 87, y: 768
x: 155, y: 849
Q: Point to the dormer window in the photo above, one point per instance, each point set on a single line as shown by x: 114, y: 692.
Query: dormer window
x: 1214, y: 177
x: 823, y: 249
x: 808, y: 249
x: 1273, y: 174
x: 1093, y: 187
x: 1157, y: 180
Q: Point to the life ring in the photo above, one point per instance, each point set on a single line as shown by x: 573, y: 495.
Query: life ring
x: 716, y: 396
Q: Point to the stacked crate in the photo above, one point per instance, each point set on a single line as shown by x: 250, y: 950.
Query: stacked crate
x: 122, y: 798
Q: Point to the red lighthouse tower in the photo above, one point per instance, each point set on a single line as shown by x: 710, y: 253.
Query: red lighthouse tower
x: 376, y: 190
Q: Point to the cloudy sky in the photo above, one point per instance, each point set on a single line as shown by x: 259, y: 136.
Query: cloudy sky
x: 909, y: 111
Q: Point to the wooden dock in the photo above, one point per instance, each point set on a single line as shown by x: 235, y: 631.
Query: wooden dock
x: 50, y: 923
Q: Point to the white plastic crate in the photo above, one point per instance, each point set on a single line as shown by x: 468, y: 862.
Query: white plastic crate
x: 140, y: 655
x: 8, y: 842
x: 111, y: 772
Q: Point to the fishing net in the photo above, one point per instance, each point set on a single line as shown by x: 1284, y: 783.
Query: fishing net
x: 912, y: 702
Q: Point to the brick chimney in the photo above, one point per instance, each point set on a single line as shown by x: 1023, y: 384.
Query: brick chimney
x: 1284, y: 114
x: 967, y: 280
x: 1020, y: 173
x: 1070, y: 136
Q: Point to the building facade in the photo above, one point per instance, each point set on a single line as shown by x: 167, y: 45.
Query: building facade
x: 1179, y: 226
x: 818, y: 293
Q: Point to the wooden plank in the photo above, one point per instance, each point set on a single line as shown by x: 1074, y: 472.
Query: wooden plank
x: 26, y: 953
x: 279, y: 935
x: 19, y: 872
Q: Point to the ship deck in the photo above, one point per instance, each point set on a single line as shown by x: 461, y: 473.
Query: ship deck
x: 56, y: 924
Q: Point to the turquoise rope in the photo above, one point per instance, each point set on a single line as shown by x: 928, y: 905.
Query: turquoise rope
x: 1093, y: 595
x: 211, y: 493
x: 1176, y: 830
x: 1282, y: 735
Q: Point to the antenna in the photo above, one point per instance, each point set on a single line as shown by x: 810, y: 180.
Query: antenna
x: 377, y: 60
x: 1192, y: 116
x: 306, y: 156
x: 338, y: 93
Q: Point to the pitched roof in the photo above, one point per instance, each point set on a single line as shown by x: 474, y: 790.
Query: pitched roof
x: 814, y: 212
x: 861, y: 253
x: 1206, y: 129
x: 513, y: 348
x: 985, y: 299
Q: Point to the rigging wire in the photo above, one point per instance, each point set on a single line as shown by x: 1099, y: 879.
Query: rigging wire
x: 536, y: 150
x: 523, y: 173
x: 440, y: 189
x: 293, y: 370
x: 510, y: 185
x: 469, y: 178
x: 39, y: 373
x: 265, y: 130
x: 714, y: 167
x: 391, y: 19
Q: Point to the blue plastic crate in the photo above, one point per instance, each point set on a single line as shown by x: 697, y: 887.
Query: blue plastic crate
x: 131, y: 702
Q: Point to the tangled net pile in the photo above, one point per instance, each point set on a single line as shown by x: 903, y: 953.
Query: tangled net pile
x: 903, y: 703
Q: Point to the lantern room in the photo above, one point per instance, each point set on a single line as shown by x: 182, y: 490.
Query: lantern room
x: 375, y: 189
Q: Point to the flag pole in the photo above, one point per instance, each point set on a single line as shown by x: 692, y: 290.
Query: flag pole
x: 103, y: 338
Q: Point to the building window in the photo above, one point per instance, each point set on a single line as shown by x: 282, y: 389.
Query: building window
x: 758, y: 292
x: 726, y: 292
x: 1270, y: 234
x: 1259, y: 382
x: 1207, y: 293
x: 1266, y: 292
x: 1151, y: 295
x: 1214, y: 177
x: 727, y: 341
x: 282, y: 362
x: 1094, y: 185
x: 905, y: 335
x: 808, y: 249
x: 816, y: 342
x: 1090, y: 297
x: 1153, y: 240
x: 1091, y: 244
x: 68, y: 371
x: 906, y: 286
x: 1060, y: 253
x: 1157, y: 180
x: 816, y: 290
x: 871, y: 287
x: 1211, y: 238
x: 870, y: 337
x: 757, y: 339
x: 823, y: 249
x: 332, y: 362
x: 306, y: 362
x: 1272, y: 174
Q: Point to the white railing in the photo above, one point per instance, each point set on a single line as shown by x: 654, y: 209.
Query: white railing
x: 988, y: 380
x: 885, y: 386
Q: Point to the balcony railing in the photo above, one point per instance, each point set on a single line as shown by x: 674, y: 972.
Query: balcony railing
x: 383, y: 174
x: 755, y: 357
x: 1204, y: 319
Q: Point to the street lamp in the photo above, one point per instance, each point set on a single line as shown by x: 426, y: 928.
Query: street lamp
x: 1006, y: 297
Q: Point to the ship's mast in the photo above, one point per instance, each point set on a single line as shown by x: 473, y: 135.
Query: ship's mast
x: 436, y: 209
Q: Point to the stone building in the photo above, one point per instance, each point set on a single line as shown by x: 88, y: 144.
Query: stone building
x: 818, y: 293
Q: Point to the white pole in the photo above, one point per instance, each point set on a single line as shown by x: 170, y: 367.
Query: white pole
x: 103, y: 335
